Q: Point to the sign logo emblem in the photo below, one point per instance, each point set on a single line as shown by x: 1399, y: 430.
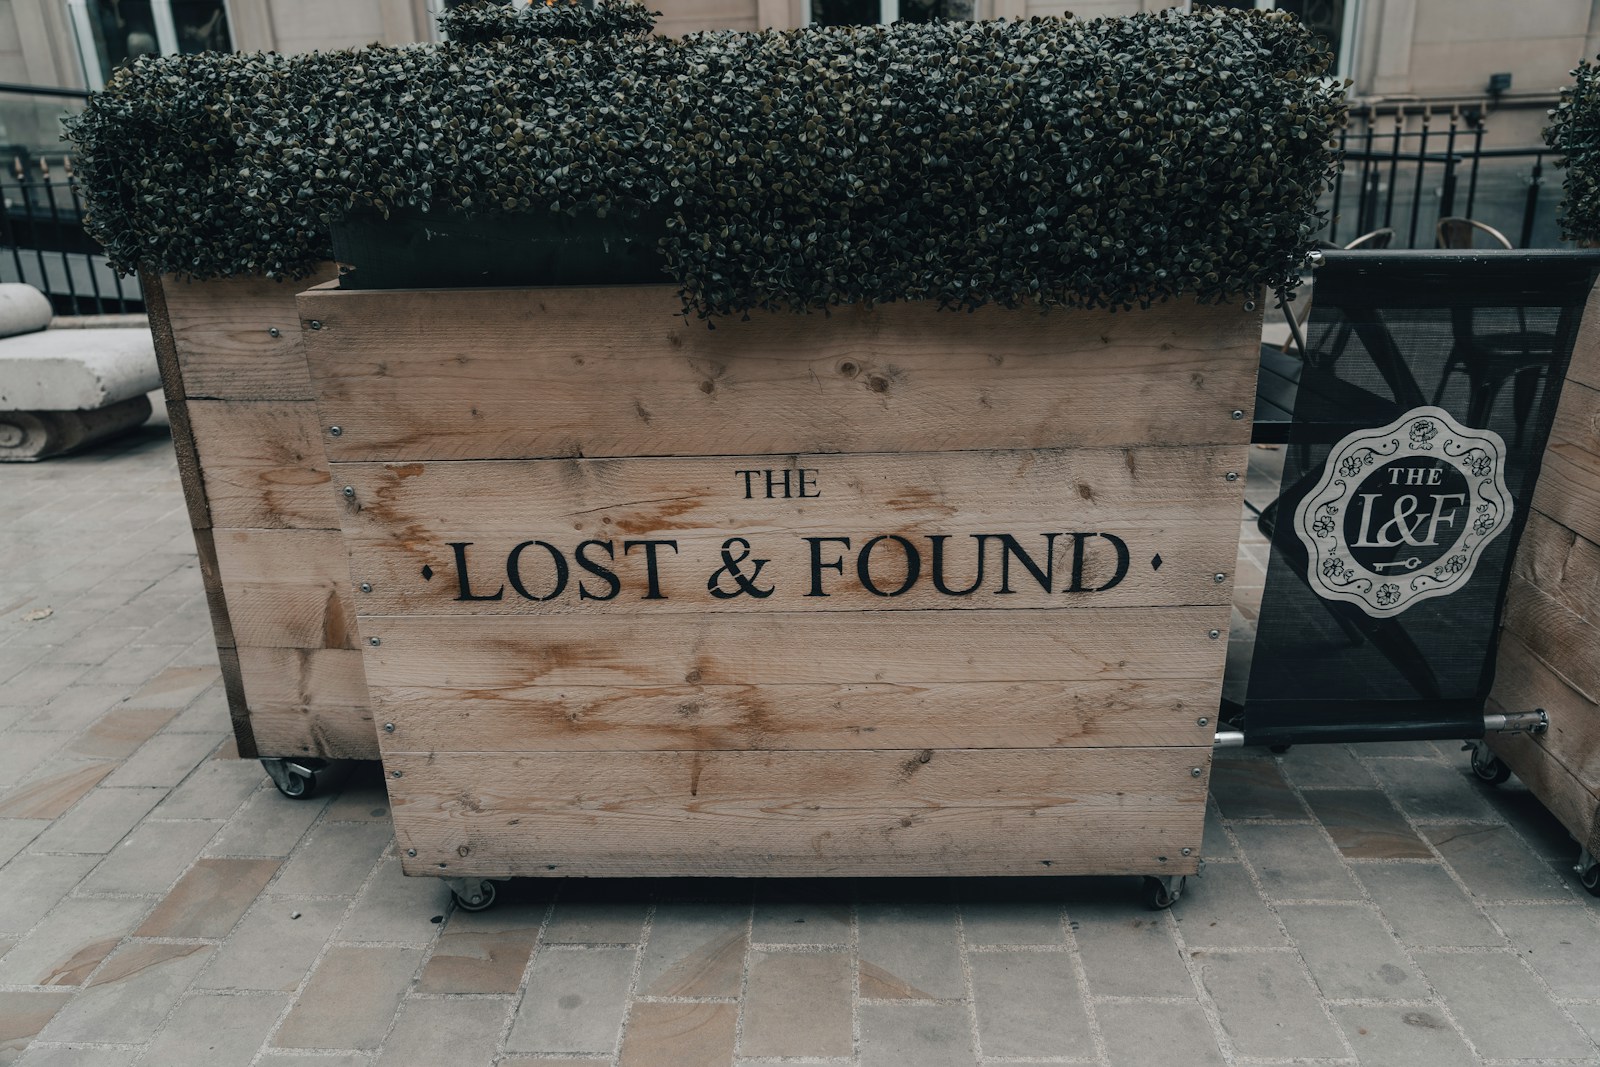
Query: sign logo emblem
x: 1403, y: 513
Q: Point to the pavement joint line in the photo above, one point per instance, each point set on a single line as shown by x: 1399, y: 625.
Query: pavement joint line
x: 968, y: 986
x: 633, y: 979
x: 539, y: 942
x: 855, y: 979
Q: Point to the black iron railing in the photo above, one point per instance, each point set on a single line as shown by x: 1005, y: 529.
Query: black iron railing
x: 43, y: 243
x: 42, y: 239
x: 1405, y: 171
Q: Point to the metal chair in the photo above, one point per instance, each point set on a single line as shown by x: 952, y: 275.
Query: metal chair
x: 1487, y: 359
x: 1457, y: 231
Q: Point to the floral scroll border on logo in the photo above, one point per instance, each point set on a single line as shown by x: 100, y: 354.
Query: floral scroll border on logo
x: 1428, y: 432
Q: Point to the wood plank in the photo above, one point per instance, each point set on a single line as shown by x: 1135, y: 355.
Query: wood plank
x: 535, y: 718
x: 1562, y: 639
x: 858, y: 814
x: 1524, y: 682
x: 1562, y: 564
x: 244, y: 737
x: 264, y: 465
x: 287, y: 588
x: 211, y: 579
x: 221, y: 329
x: 514, y: 652
x: 1585, y: 365
x: 1102, y: 527
x: 173, y: 389
x: 540, y: 373
x: 1569, y: 482
x: 308, y: 702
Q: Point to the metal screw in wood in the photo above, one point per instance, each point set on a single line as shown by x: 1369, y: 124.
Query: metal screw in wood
x: 1219, y: 577
x: 375, y: 641
x: 316, y: 324
x: 366, y: 587
x: 1202, y: 721
x: 388, y: 727
x: 336, y: 431
x: 350, y: 492
x: 273, y: 331
x: 1215, y: 634
x: 1237, y: 414
x: 1194, y: 772
x: 1232, y: 476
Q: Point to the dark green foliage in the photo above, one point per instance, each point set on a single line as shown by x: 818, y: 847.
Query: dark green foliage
x: 494, y: 20
x: 1049, y: 162
x: 1574, y: 131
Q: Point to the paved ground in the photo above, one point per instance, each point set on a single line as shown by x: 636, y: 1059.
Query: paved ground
x: 161, y: 904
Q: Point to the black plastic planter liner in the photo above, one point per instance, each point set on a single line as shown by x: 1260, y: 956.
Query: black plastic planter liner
x: 433, y: 251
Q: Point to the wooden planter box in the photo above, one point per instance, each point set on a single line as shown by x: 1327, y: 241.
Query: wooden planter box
x: 1550, y: 646
x: 834, y: 709
x: 256, y: 482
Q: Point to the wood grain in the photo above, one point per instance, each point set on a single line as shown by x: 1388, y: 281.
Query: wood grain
x: 927, y: 812
x: 1174, y: 503
x: 1524, y: 682
x: 1079, y: 714
x: 1568, y: 643
x: 308, y: 702
x: 1569, y: 482
x: 264, y: 465
x: 222, y: 332
x: 1585, y: 366
x: 286, y: 588
x: 899, y: 648
x: 539, y: 373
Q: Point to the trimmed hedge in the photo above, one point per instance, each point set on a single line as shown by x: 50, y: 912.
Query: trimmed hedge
x: 495, y: 20
x: 1050, y: 161
x: 1574, y: 131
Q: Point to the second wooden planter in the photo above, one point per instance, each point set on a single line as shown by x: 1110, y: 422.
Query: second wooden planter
x: 884, y: 592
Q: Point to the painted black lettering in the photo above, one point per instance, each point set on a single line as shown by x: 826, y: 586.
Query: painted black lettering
x: 1045, y: 577
x: 772, y: 485
x: 514, y: 570
x: 1122, y: 561
x: 817, y: 564
x: 599, y: 570
x: 747, y: 476
x: 651, y: 571
x: 938, y: 564
x: 804, y: 484
x: 864, y: 565
x: 463, y: 582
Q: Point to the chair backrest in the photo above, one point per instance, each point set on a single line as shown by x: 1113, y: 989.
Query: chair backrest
x: 1380, y: 238
x: 1457, y: 232
x: 1408, y: 472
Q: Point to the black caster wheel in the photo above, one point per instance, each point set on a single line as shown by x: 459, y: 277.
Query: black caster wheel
x: 295, y: 778
x: 1589, y: 878
x: 1161, y: 893
x: 1487, y: 766
x: 480, y: 898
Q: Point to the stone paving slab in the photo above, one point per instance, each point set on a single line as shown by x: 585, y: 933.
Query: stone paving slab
x: 161, y: 905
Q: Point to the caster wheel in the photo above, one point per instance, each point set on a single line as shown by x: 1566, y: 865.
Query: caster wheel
x: 1487, y: 766
x: 1589, y: 878
x: 295, y: 779
x: 479, y: 899
x: 1161, y: 893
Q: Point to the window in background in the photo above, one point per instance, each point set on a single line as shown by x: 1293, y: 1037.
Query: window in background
x: 1332, y: 20
x: 111, y: 32
x: 871, y: 12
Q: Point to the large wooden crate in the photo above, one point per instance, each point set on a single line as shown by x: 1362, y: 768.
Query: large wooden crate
x: 697, y: 713
x: 256, y: 481
x: 1550, y: 646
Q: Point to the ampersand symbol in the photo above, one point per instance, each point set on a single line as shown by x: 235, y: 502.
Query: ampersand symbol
x: 730, y: 567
